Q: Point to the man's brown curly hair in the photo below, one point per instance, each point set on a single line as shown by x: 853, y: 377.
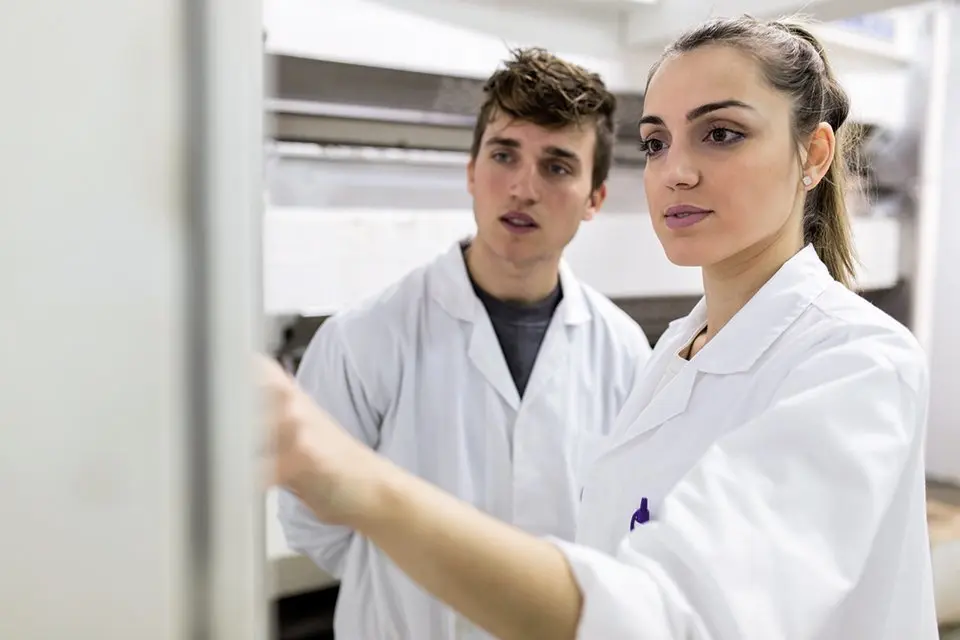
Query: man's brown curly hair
x: 538, y: 87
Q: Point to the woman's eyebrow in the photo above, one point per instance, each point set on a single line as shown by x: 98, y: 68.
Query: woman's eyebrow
x: 700, y: 111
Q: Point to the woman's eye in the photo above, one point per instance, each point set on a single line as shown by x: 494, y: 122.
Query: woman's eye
x: 721, y: 135
x: 652, y: 146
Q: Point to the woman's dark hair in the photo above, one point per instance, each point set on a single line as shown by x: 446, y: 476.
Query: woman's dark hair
x: 793, y: 61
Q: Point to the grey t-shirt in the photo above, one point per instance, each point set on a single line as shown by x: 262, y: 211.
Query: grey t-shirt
x: 520, y: 329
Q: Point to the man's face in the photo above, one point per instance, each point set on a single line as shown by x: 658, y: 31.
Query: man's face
x: 531, y: 188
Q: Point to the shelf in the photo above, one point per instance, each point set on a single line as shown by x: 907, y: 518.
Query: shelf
x: 317, y: 262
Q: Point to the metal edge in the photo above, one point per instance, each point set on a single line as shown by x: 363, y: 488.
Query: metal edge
x: 196, y: 377
x: 225, y: 596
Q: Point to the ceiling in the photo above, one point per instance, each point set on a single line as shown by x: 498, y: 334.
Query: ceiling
x: 654, y: 23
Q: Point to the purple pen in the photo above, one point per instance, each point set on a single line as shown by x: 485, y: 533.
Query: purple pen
x: 641, y: 515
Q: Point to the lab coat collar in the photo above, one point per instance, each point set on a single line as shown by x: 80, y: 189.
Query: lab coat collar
x: 748, y: 335
x: 452, y: 289
x: 735, y: 349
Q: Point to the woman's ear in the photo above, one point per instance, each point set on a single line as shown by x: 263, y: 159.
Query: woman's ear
x: 820, y: 150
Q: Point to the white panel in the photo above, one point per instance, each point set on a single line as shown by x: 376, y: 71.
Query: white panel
x: 92, y: 400
x: 878, y: 97
x: 319, y: 261
x: 316, y: 262
x: 227, y: 210
x: 937, y: 287
x: 110, y: 365
x: 438, y: 36
x: 658, y: 24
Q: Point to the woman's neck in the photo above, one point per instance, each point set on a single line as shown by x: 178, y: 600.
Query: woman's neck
x: 730, y: 284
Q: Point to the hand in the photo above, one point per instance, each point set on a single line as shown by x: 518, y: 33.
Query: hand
x: 312, y: 456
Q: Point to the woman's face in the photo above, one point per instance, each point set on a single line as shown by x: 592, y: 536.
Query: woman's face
x: 723, y: 179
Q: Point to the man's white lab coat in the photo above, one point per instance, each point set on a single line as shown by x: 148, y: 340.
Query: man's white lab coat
x: 418, y: 374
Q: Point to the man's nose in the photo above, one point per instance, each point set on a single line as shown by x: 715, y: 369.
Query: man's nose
x: 525, y: 186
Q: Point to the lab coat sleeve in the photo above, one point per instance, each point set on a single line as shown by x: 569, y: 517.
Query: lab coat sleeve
x: 328, y: 372
x: 765, y: 537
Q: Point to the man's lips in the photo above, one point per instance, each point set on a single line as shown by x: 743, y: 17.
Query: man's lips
x: 519, y: 219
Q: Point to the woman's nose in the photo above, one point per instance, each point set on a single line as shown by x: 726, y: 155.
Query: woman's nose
x: 681, y: 171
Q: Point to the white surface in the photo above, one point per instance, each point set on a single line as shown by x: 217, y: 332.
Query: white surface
x: 95, y: 401
x: 92, y: 405
x: 453, y: 38
x: 471, y: 38
x: 944, y: 521
x: 228, y: 224
x: 937, y: 300
x: 946, y: 584
x: 319, y: 261
x: 660, y: 23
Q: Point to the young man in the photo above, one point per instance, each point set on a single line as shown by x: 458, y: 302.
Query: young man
x: 490, y: 372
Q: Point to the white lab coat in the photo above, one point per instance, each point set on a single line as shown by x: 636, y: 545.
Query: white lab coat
x: 418, y: 374
x: 783, y: 468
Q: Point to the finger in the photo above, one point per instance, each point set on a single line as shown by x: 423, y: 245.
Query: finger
x: 275, y: 400
x: 270, y: 472
x: 270, y: 371
x: 275, y: 385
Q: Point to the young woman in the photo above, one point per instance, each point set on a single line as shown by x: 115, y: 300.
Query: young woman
x: 765, y: 479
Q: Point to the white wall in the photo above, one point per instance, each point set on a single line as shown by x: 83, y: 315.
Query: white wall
x: 937, y: 299
x: 92, y: 277
x: 97, y: 404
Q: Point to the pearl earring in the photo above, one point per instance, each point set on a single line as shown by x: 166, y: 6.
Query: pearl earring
x: 807, y: 181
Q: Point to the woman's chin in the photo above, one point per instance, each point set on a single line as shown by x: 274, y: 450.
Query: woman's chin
x: 683, y: 256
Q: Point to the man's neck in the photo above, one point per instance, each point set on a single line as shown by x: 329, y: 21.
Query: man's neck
x: 511, y: 282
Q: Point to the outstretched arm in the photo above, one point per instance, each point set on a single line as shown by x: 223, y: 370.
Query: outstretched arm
x: 329, y: 375
x: 758, y: 519
x: 506, y: 581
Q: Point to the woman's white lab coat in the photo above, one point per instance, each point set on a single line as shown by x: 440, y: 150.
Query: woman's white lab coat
x: 783, y: 474
x: 418, y: 373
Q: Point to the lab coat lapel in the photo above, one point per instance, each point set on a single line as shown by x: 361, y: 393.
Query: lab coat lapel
x: 647, y: 407
x: 777, y: 305
x: 735, y: 349
x: 450, y: 287
x: 487, y: 355
x: 665, y: 404
x: 554, y: 351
